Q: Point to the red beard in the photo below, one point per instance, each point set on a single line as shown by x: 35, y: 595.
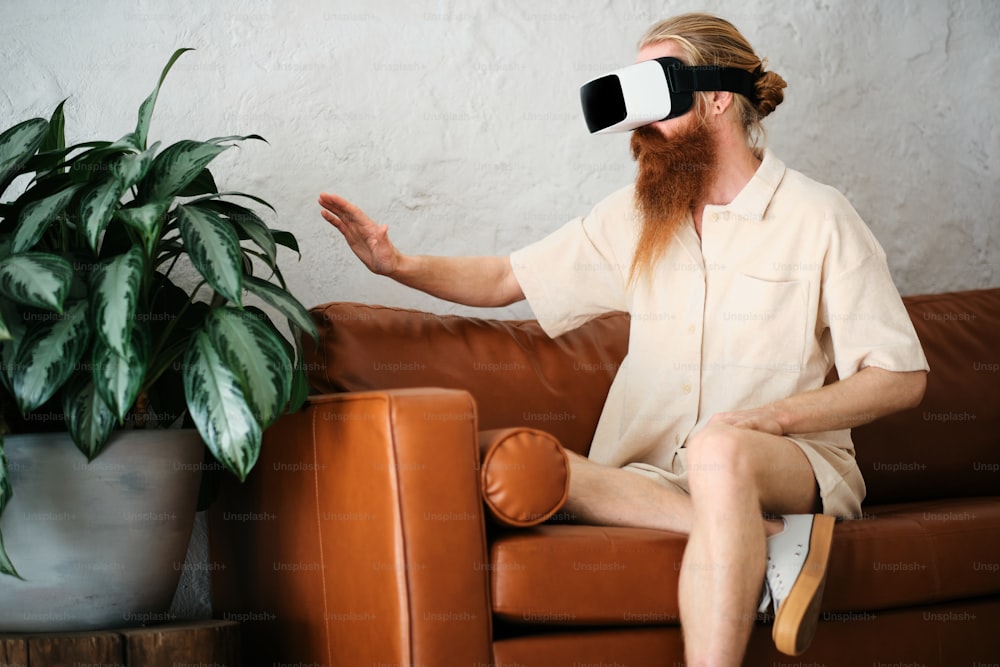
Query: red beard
x: 673, y: 176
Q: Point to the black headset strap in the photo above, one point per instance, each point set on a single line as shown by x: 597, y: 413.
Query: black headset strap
x: 691, y: 78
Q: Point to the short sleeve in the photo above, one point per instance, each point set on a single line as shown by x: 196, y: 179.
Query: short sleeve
x: 869, y: 325
x: 577, y: 272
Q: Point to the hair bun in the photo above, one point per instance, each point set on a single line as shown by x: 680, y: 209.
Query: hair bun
x: 768, y: 88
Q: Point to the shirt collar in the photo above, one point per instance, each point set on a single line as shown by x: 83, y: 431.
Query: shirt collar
x: 753, y: 199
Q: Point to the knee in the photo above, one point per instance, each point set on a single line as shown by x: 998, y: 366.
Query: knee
x: 717, y: 458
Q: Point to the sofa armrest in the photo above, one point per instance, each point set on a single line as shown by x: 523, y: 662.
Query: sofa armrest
x: 525, y: 475
x: 359, y: 537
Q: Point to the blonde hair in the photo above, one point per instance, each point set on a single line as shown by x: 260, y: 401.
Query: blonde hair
x: 710, y: 40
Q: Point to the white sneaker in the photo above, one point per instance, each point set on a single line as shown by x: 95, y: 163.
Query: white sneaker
x: 796, y: 573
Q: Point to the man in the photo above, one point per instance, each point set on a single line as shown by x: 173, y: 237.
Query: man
x: 747, y: 283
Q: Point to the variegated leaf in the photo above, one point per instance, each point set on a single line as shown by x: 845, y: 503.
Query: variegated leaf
x: 97, y: 206
x: 114, y: 294
x: 218, y: 195
x: 128, y: 143
x: 55, y: 138
x: 8, y: 348
x: 36, y: 216
x: 255, y: 352
x: 249, y: 223
x: 147, y: 220
x: 119, y: 377
x: 36, y: 279
x: 236, y: 137
x: 176, y: 166
x: 146, y: 109
x: 214, y: 250
x: 288, y: 240
x: 284, y: 302
x: 300, y: 380
x: 133, y: 167
x: 88, y: 418
x: 48, y: 356
x: 17, y: 144
x: 6, y: 493
x: 219, y: 409
x: 202, y: 183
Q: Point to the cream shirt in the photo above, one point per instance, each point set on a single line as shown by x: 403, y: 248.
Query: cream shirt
x: 784, y: 283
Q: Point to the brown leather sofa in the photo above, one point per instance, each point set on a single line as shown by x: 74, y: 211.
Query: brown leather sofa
x: 362, y: 537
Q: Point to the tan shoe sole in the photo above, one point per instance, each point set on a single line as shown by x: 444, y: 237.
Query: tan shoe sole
x: 795, y: 623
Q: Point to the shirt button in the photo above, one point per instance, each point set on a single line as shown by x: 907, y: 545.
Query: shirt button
x: 686, y: 388
x: 691, y: 328
x: 715, y: 217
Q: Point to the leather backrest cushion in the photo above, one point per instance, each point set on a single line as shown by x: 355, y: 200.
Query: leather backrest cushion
x: 949, y: 445
x: 517, y: 375
x: 524, y: 476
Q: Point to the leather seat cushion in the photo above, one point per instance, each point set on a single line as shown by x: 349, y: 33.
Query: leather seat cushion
x: 896, y: 556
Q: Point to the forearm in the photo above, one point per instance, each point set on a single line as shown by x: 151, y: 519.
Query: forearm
x: 863, y: 397
x: 470, y: 281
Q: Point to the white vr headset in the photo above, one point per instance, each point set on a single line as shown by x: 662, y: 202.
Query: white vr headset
x: 654, y: 90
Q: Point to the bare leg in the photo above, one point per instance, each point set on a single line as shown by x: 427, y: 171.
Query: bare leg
x: 734, y: 474
x: 608, y: 496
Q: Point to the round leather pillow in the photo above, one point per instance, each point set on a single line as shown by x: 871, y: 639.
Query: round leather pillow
x: 524, y: 475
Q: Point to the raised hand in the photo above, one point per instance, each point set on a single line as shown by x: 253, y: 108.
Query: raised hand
x: 367, y: 239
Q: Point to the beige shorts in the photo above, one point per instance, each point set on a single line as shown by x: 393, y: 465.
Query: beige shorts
x: 841, y: 486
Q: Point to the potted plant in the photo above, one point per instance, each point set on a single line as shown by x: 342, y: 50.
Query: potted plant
x: 123, y: 275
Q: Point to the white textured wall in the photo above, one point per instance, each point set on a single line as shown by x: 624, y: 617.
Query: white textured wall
x: 458, y: 124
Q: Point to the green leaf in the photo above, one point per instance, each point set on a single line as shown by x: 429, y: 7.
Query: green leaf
x: 251, y: 226
x: 254, y: 351
x: 283, y: 302
x: 146, y: 109
x: 8, y: 349
x: 17, y: 144
x: 55, y: 138
x: 119, y: 377
x: 214, y: 249
x: 114, y: 294
x: 48, y: 356
x: 88, y: 418
x: 6, y: 493
x: 97, y: 206
x: 56, y: 160
x: 287, y: 239
x: 219, y: 408
x: 203, y: 183
x: 128, y: 143
x: 95, y: 164
x: 36, y: 279
x: 176, y: 167
x: 133, y: 167
x: 236, y: 137
x: 300, y: 380
x: 36, y: 217
x: 147, y: 221
x: 219, y: 195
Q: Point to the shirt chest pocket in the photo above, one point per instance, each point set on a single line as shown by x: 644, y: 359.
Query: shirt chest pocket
x: 762, y: 324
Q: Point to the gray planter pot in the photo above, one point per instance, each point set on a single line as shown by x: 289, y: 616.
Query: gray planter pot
x: 100, y: 545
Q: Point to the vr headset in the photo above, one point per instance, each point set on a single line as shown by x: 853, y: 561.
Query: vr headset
x: 654, y: 90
